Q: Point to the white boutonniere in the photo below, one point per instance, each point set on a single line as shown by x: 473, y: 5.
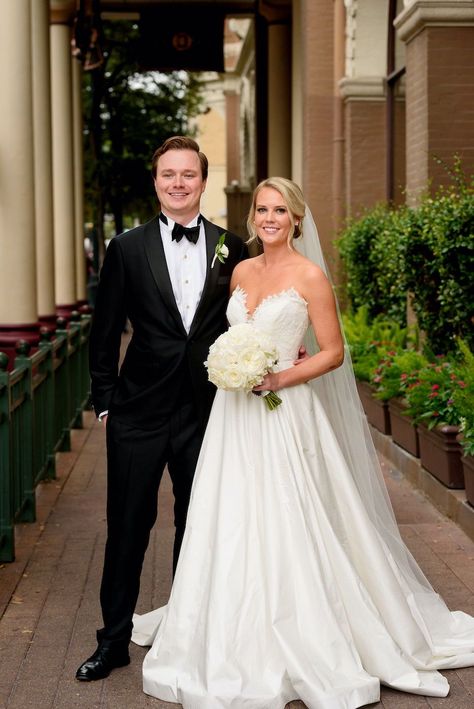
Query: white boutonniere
x: 221, y: 251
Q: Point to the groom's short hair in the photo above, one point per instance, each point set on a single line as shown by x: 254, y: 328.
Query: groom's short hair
x: 179, y: 142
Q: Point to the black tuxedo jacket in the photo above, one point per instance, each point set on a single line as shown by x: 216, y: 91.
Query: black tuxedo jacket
x: 163, y: 364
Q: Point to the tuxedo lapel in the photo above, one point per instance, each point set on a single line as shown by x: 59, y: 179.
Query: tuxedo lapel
x: 212, y: 239
x: 157, y: 261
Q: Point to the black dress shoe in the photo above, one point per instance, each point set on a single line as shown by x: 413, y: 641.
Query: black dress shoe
x: 102, y: 662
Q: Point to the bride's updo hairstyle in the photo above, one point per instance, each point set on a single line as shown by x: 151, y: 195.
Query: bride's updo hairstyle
x: 292, y: 197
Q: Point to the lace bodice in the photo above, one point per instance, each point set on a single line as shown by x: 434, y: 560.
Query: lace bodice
x: 283, y: 316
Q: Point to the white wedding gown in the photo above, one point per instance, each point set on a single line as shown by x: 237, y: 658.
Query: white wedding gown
x: 285, y: 590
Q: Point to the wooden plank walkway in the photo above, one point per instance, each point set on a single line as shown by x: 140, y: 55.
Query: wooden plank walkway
x: 49, y: 605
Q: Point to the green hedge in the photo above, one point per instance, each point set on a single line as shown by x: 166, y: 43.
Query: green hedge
x: 426, y: 254
x: 372, y: 249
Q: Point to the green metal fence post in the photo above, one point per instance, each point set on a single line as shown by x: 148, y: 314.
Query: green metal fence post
x: 62, y: 405
x: 75, y: 333
x: 7, y: 533
x: 86, y: 321
x: 47, y: 410
x: 22, y: 430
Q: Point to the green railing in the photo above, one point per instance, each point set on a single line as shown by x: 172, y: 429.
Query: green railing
x: 41, y: 399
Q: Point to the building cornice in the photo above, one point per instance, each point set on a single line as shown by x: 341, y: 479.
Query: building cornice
x: 433, y: 13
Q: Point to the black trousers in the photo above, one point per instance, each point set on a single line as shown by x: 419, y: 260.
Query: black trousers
x: 135, y: 462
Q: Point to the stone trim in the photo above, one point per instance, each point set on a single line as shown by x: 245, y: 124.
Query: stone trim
x: 433, y: 13
x: 369, y: 88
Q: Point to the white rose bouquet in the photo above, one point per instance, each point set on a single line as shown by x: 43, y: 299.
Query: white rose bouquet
x: 239, y: 359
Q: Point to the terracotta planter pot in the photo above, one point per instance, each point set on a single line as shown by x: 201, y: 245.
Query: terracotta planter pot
x: 375, y: 410
x: 468, y: 469
x: 440, y: 454
x: 404, y: 431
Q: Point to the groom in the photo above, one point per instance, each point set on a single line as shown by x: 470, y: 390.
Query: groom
x: 163, y: 276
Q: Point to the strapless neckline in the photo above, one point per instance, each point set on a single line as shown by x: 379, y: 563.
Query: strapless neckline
x: 272, y: 296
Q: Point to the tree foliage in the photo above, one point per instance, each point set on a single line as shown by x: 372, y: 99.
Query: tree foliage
x: 127, y: 115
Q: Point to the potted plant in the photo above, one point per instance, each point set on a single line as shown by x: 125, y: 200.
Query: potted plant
x: 392, y: 378
x: 463, y: 397
x: 466, y: 439
x: 372, y: 343
x: 431, y: 405
x: 364, y: 366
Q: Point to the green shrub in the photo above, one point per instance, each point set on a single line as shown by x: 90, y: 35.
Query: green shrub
x: 373, y: 260
x: 426, y: 253
x: 463, y: 397
x: 372, y: 341
x: 439, y: 268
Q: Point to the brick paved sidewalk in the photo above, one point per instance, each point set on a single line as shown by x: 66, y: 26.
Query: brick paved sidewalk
x: 49, y: 596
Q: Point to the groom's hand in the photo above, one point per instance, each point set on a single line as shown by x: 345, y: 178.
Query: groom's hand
x: 302, y: 355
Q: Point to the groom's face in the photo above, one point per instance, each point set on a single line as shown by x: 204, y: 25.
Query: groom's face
x: 179, y: 184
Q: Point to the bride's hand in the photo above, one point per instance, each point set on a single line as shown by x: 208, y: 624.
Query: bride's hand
x: 271, y: 382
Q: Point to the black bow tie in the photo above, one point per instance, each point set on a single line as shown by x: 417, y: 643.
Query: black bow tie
x: 191, y: 233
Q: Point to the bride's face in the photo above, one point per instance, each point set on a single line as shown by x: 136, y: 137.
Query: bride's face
x: 272, y: 219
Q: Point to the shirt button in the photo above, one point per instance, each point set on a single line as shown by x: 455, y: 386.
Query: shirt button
x: 186, y: 281
x: 185, y: 256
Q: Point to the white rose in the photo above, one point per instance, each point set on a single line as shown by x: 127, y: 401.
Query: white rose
x: 234, y: 378
x: 253, y: 361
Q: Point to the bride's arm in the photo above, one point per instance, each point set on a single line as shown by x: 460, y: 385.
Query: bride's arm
x: 323, y: 315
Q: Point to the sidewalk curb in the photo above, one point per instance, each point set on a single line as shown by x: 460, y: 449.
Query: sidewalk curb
x: 452, y: 503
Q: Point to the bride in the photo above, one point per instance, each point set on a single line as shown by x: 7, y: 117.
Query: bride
x: 293, y: 581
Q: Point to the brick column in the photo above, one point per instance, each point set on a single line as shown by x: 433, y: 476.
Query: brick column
x: 279, y: 99
x: 297, y: 64
x: 365, y: 142
x: 439, y: 37
x: 317, y: 41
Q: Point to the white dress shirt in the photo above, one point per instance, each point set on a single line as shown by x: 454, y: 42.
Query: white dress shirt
x: 187, y: 268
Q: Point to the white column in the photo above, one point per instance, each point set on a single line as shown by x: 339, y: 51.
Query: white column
x: 81, y: 292
x: 43, y: 169
x: 18, y: 304
x: 63, y: 167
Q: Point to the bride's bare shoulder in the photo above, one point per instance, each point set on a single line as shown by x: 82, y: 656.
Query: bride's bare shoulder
x: 310, y: 271
x: 312, y: 277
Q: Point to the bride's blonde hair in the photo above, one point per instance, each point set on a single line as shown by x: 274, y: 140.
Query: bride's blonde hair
x: 294, y: 200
